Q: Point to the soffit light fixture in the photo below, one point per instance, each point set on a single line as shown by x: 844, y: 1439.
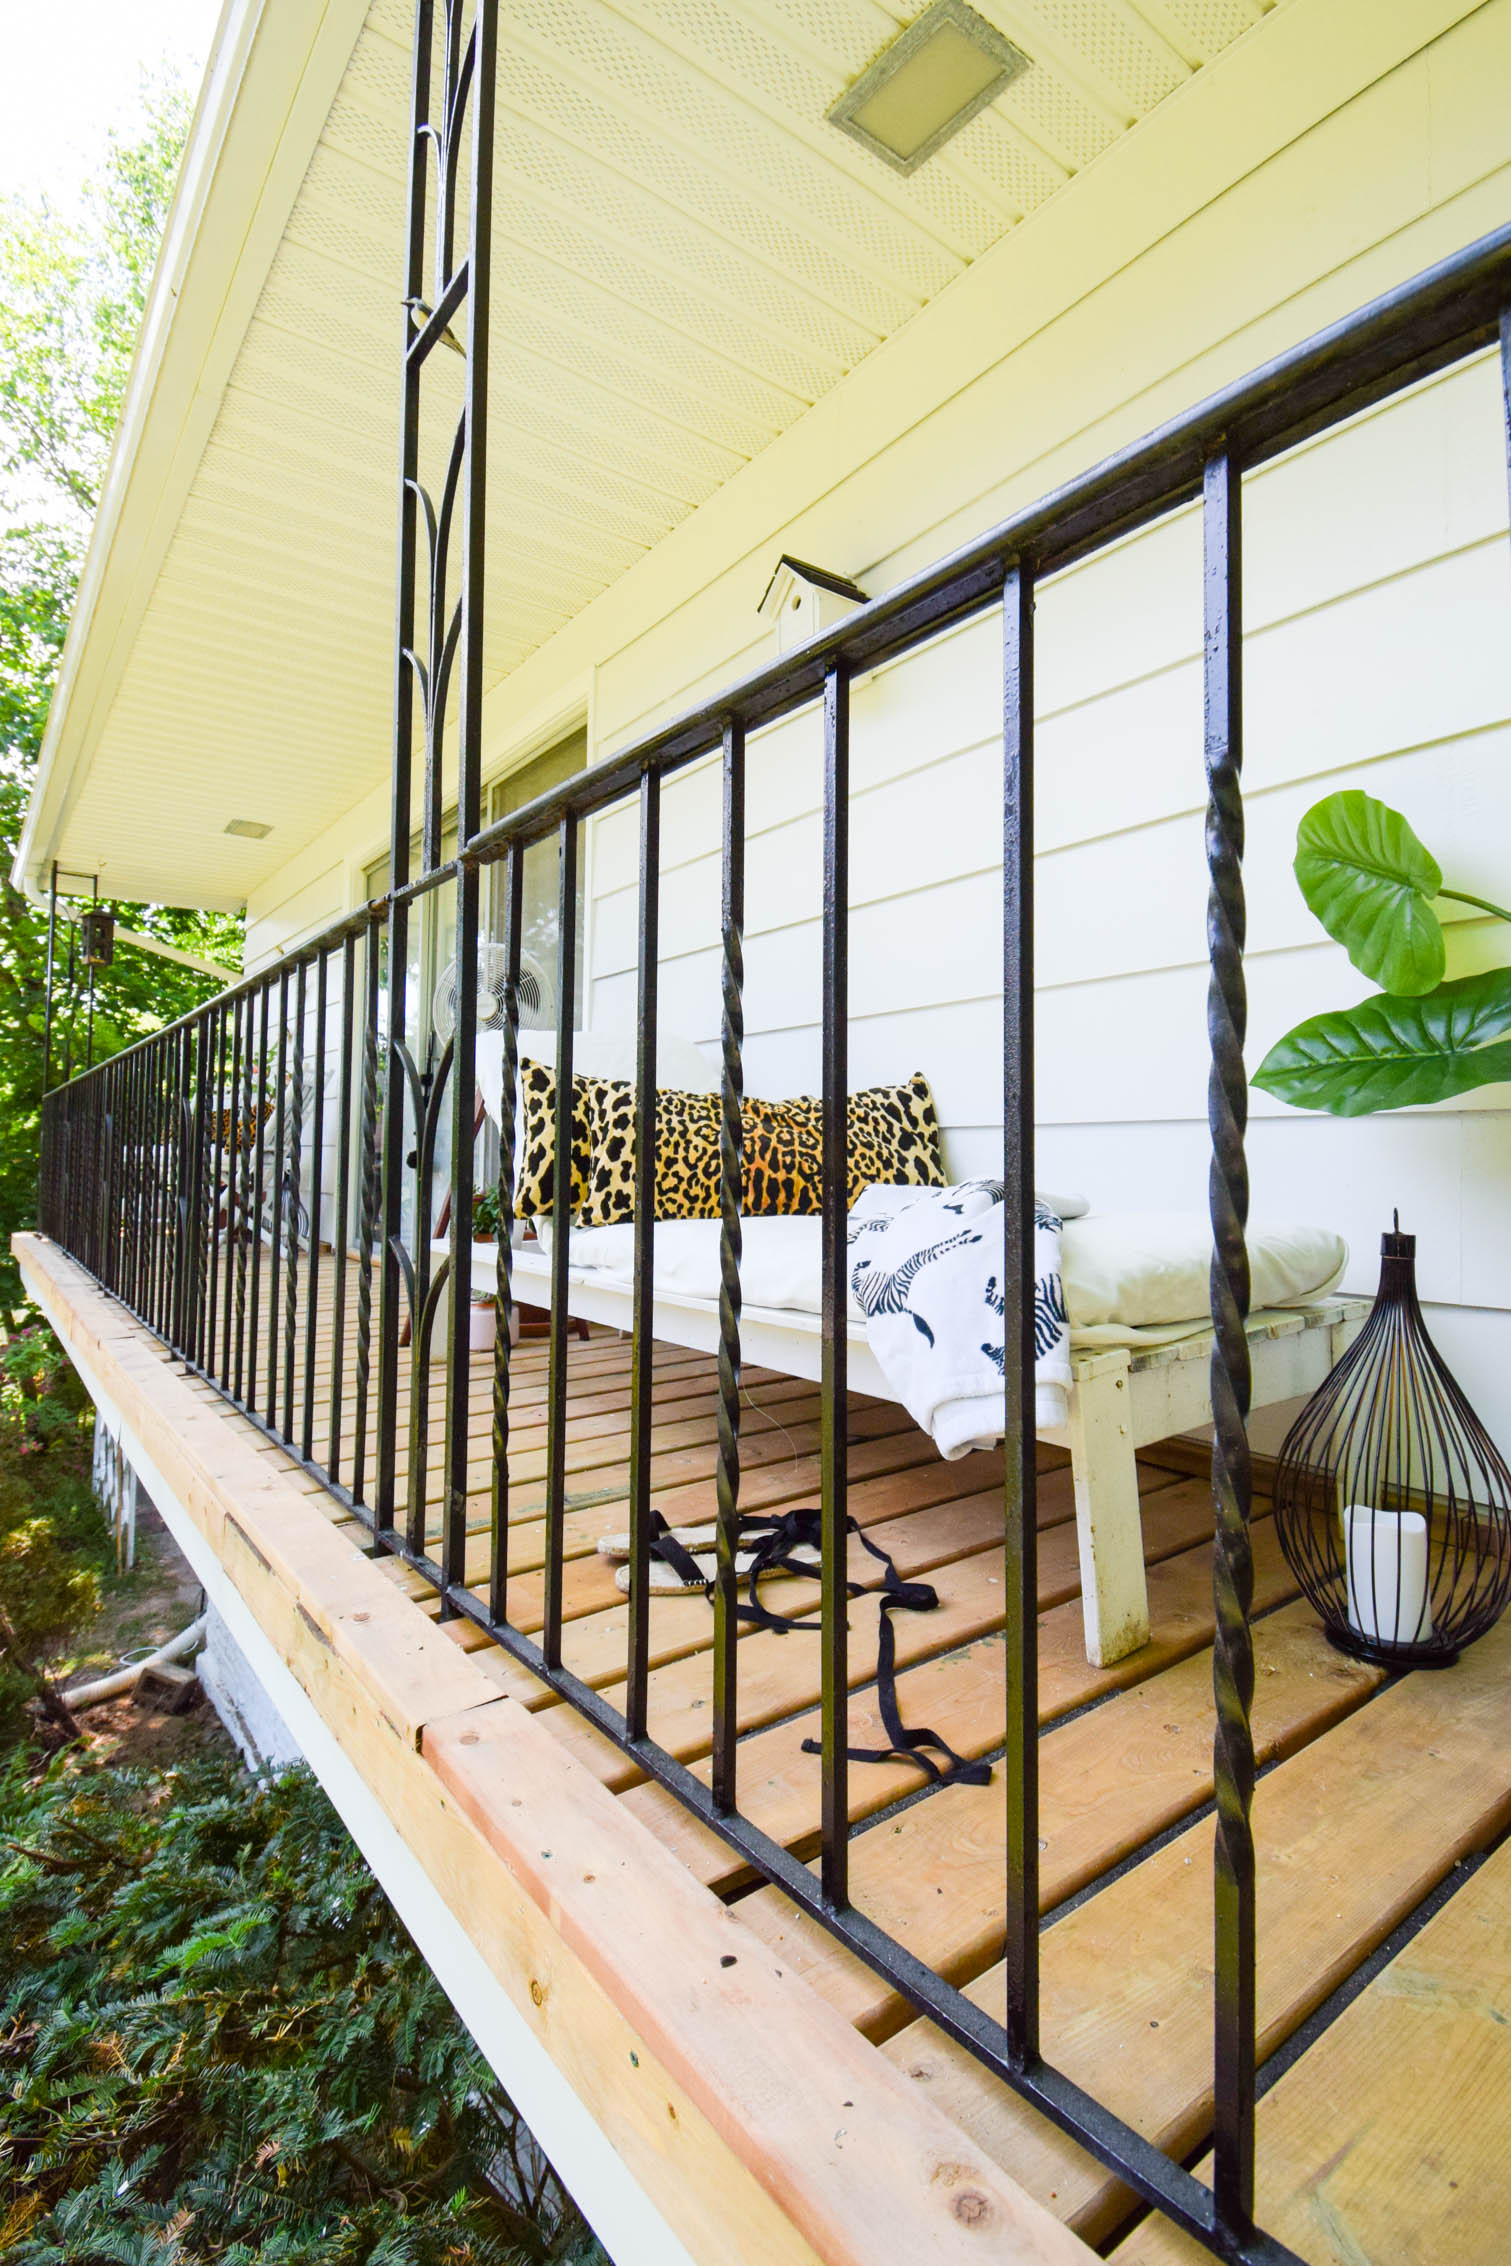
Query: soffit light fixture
x: 927, y: 84
x: 250, y: 829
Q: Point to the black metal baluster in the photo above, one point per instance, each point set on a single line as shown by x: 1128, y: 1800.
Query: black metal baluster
x: 249, y: 1254
x: 834, y: 1301
x: 1506, y: 389
x: 370, y: 1170
x: 154, y: 1192
x: 199, y: 1279
x: 279, y: 1192
x: 498, y: 1546
x: 185, y: 1255
x: 643, y: 1294
x: 129, y: 1177
x: 391, y: 1283
x: 291, y: 1196
x: 193, y: 1278
x: 144, y: 1180
x: 165, y: 1147
x: 339, y: 1225
x: 171, y: 1090
x: 482, y: 62
x: 504, y: 1267
x: 459, y: 1287
x: 1232, y: 1565
x: 1019, y: 1439
x: 217, y: 1180
x: 235, y: 1146
x: 110, y: 1247
x: 99, y: 1186
x: 731, y: 1192
x: 561, y: 1217
x: 265, y: 1114
x: 317, y: 1178
x: 425, y: 1292
x: 391, y: 1288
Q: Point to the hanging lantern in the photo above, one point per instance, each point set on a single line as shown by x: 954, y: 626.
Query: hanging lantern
x: 96, y: 938
x: 1392, y: 1506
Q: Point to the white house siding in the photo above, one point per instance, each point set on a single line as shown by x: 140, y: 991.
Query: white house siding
x: 1378, y: 606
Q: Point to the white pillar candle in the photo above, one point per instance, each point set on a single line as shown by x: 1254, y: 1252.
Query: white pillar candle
x: 1385, y: 1554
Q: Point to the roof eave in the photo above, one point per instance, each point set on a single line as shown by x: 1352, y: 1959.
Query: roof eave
x: 273, y: 73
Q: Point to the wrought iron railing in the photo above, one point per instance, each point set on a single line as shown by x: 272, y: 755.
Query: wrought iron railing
x: 244, y: 1180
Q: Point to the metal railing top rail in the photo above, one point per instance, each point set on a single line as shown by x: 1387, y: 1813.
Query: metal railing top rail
x: 1426, y: 324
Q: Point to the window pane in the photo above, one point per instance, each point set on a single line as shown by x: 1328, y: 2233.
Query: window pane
x: 539, y: 925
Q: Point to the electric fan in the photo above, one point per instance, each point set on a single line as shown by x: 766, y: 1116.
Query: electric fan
x: 535, y: 994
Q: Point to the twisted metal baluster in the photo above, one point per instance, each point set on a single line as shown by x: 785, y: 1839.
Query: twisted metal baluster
x: 372, y: 1173
x: 498, y: 1563
x: 731, y: 1173
x: 1232, y: 1562
x: 289, y: 1192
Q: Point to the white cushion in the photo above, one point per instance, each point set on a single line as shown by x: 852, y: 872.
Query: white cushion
x: 1145, y: 1269
x: 1123, y: 1271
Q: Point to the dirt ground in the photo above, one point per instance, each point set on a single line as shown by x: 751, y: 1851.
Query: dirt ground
x: 152, y: 1603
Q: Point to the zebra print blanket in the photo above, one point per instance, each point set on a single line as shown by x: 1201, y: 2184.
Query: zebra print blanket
x: 926, y: 1270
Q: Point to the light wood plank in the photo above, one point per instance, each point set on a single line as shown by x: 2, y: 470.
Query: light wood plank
x: 1387, y: 2140
x: 962, y: 1692
x: 1110, y: 1780
x: 1351, y: 1834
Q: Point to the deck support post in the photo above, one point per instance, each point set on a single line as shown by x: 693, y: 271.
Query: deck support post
x: 1109, y: 1527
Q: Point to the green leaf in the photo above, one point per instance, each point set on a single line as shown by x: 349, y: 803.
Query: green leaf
x: 1396, y: 1053
x: 1368, y: 880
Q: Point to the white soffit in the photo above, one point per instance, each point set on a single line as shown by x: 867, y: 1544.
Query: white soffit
x: 686, y: 256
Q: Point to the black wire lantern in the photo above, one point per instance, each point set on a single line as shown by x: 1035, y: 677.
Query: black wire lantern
x: 1392, y: 1506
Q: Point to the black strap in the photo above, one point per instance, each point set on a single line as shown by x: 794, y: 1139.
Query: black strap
x: 665, y: 1546
x: 773, y: 1544
x: 907, y: 1746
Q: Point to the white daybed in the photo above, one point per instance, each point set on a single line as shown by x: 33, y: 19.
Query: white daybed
x: 1124, y: 1395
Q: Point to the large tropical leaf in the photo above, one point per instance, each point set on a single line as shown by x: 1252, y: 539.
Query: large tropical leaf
x: 1396, y: 1053
x: 1368, y: 880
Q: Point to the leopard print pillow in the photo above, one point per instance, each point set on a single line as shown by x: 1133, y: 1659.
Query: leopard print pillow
x: 687, y: 1155
x: 894, y: 1137
x: 893, y: 1134
x: 535, y: 1162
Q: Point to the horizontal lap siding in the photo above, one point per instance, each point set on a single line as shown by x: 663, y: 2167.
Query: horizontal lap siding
x: 1378, y: 605
x: 1378, y: 654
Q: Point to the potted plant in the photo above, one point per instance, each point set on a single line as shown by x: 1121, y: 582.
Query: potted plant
x: 1420, y: 1039
x: 482, y: 1329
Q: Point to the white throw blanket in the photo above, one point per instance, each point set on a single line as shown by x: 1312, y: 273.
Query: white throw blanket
x: 926, y: 1271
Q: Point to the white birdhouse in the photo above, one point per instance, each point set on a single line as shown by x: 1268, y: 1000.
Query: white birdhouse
x: 801, y: 600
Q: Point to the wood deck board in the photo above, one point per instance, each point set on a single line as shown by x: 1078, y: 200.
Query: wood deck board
x: 963, y: 1693
x: 1414, y: 1770
x: 1409, y: 2093
x: 1352, y: 1833
x: 1109, y: 1781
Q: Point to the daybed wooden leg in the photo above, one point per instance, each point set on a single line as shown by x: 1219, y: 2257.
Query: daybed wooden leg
x: 1109, y: 1531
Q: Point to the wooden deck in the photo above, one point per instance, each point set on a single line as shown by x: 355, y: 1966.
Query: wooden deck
x: 1382, y: 2138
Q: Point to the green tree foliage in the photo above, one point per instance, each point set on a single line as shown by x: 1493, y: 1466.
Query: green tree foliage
x: 217, y: 2042
x: 72, y: 293
x: 54, y: 1546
